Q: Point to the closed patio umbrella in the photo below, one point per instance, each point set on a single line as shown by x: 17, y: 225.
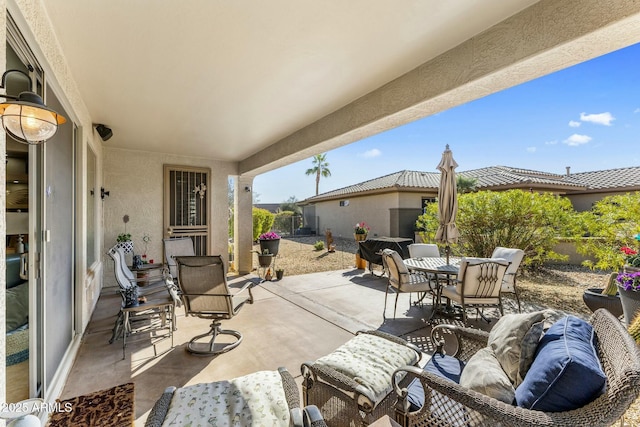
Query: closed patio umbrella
x: 447, y: 202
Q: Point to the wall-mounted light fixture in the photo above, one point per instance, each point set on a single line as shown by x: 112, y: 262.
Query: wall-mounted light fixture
x: 26, y: 118
x: 103, y: 193
x: 104, y: 132
x: 247, y: 189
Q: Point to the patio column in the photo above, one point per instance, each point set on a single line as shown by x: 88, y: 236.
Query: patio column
x: 243, y: 224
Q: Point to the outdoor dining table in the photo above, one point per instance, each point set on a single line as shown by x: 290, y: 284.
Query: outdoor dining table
x: 441, y: 270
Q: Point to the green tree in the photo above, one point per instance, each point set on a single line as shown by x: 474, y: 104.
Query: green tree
x: 465, y: 185
x: 612, y: 223
x: 320, y: 168
x: 291, y: 205
x: 515, y: 218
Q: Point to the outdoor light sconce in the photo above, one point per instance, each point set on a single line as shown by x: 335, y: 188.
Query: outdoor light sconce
x: 103, y: 193
x: 247, y: 189
x: 26, y: 118
x: 104, y: 132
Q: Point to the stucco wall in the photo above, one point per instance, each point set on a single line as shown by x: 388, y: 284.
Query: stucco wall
x: 374, y: 210
x: 135, y: 182
x: 584, y: 202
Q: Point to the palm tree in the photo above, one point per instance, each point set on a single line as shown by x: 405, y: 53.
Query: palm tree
x: 320, y: 168
x: 465, y: 185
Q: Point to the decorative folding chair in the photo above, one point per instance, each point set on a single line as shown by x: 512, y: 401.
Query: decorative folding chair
x: 151, y: 312
x: 478, y: 285
x: 401, y: 280
x: 204, y: 291
x: 514, y: 256
x: 265, y: 398
x: 178, y: 246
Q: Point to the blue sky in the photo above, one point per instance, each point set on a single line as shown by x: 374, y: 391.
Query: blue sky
x: 586, y: 117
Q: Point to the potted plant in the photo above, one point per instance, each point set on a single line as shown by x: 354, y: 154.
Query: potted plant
x: 264, y: 258
x: 632, y: 259
x: 269, y: 241
x: 124, y: 239
x: 606, y: 297
x: 279, y: 273
x: 360, y: 231
x: 629, y: 289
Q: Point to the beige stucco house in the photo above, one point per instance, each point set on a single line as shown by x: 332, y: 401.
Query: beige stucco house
x: 197, y: 92
x: 391, y: 204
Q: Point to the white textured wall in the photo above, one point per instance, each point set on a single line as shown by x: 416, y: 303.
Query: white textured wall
x: 135, y: 182
x: 374, y: 210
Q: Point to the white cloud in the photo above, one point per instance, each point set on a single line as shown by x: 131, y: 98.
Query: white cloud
x: 531, y: 149
x: 576, y: 139
x: 574, y: 124
x: 554, y: 142
x: 374, y: 152
x: 599, y: 119
x: 637, y: 110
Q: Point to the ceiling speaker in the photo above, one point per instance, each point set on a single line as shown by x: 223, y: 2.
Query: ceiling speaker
x: 104, y: 132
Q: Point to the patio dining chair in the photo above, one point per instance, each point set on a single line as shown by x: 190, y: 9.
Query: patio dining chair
x: 401, y: 280
x: 205, y: 294
x: 478, y: 285
x: 514, y: 256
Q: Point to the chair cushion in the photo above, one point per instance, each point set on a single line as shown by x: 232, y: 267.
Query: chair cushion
x: 17, y: 306
x: 514, y: 340
x: 444, y: 366
x: 254, y: 399
x: 484, y: 374
x: 566, y: 373
x: 370, y: 360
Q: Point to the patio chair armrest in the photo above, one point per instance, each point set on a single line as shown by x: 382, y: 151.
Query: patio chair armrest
x: 311, y: 371
x: 313, y: 417
x: 290, y: 388
x: 472, y: 405
x: 394, y: 339
x: 469, y: 340
x: 246, y: 288
x: 160, y: 408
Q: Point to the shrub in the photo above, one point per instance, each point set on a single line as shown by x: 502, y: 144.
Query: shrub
x: 514, y: 219
x: 262, y: 221
x: 318, y: 245
x: 612, y: 223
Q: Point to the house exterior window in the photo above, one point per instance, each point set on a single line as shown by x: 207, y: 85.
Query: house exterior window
x: 344, y: 203
x: 426, y: 201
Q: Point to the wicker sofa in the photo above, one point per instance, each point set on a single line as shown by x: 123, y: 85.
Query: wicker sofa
x: 446, y: 403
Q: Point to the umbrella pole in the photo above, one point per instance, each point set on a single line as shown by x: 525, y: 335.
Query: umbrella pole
x: 447, y: 251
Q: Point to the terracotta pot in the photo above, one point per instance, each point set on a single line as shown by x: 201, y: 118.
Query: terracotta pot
x: 360, y: 237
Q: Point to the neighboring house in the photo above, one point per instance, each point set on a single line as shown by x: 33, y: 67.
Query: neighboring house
x: 391, y: 204
x: 198, y: 92
x: 271, y: 207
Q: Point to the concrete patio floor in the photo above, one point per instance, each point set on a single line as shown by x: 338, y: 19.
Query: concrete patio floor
x: 295, y: 320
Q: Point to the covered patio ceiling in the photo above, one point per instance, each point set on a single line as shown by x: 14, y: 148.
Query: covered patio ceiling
x: 268, y: 83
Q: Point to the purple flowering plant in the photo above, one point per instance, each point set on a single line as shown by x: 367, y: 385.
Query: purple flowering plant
x: 629, y: 281
x: 269, y: 236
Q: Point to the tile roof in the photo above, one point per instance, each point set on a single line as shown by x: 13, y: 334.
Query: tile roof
x: 618, y: 179
x: 497, y: 177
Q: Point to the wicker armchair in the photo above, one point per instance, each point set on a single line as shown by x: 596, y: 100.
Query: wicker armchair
x: 458, y: 406
x: 241, y: 411
x: 347, y: 401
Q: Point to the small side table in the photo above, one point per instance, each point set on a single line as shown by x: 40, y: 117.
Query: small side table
x: 142, y: 272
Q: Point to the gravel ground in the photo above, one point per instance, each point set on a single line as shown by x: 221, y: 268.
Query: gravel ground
x: 556, y: 286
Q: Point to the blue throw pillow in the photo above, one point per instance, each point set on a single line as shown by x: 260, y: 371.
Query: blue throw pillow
x: 566, y: 373
x: 442, y: 365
